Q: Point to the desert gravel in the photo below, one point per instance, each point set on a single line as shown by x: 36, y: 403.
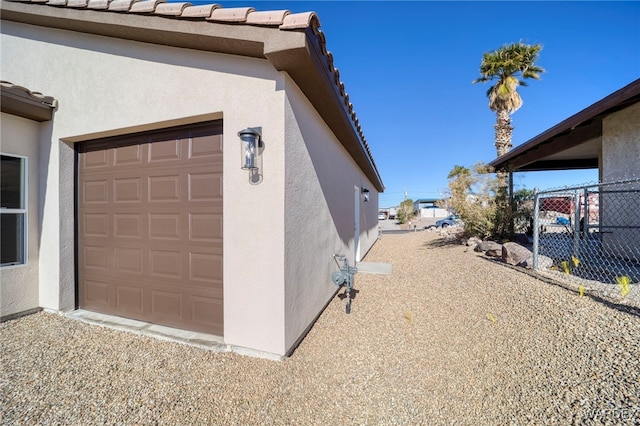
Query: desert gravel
x: 449, y: 338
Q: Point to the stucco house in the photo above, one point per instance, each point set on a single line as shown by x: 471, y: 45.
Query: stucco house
x: 196, y: 167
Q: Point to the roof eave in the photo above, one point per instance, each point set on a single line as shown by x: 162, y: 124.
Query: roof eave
x: 587, y: 121
x: 19, y: 101
x: 296, y: 52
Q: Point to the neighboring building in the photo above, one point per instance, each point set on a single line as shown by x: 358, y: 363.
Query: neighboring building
x: 429, y: 207
x: 390, y: 212
x: 137, y: 205
x: 606, y: 136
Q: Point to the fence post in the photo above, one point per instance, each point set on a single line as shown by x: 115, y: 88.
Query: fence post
x: 576, y: 224
x: 536, y: 227
x: 585, y: 228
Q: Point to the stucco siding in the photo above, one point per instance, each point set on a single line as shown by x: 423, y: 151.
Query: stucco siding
x: 19, y: 284
x: 621, y: 144
x: 620, y: 161
x: 321, y: 180
x: 108, y: 86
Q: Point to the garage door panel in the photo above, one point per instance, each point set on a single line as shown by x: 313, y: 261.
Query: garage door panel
x: 96, y: 294
x: 205, y: 146
x: 204, y: 267
x: 96, y: 160
x: 207, y: 311
x: 128, y: 261
x: 129, y: 299
x: 95, y: 191
x: 128, y: 225
x: 205, y: 227
x: 165, y: 263
x: 165, y: 188
x: 128, y: 190
x: 95, y: 224
x: 165, y: 226
x: 128, y: 155
x: 165, y: 151
x: 95, y: 257
x: 150, y: 231
x: 205, y: 186
x: 167, y: 305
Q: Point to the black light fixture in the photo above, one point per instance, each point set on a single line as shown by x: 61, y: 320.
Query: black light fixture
x: 250, y: 139
x: 365, y: 194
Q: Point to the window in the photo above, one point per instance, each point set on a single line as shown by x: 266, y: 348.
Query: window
x: 13, y: 210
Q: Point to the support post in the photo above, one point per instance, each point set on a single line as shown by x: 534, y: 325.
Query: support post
x: 536, y: 227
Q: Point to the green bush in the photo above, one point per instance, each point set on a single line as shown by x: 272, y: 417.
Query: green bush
x: 474, y: 197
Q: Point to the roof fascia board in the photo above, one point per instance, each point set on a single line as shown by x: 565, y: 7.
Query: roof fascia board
x: 551, y: 146
x: 241, y: 40
x: 306, y: 66
x: 580, y: 164
x: 17, y: 101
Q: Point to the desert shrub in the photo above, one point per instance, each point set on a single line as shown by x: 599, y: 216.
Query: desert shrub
x: 474, y: 196
x: 405, y: 211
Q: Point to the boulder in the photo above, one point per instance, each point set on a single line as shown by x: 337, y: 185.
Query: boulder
x: 489, y: 245
x: 514, y: 253
x: 473, y: 241
x: 544, y: 262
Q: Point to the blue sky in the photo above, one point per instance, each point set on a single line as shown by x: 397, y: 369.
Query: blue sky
x: 408, y: 68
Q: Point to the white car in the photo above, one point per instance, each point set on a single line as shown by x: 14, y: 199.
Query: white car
x: 382, y: 216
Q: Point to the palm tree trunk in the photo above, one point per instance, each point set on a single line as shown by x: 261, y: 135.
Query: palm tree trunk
x: 503, y: 145
x: 503, y: 132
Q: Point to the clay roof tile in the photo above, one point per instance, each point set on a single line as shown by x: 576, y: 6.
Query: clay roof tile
x: 300, y: 20
x: 172, y: 9
x: 234, y: 14
x: 144, y: 6
x: 270, y: 17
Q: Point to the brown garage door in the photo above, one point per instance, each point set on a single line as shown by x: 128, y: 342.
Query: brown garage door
x: 150, y: 227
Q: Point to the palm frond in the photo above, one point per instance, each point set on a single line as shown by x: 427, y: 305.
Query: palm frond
x: 510, y: 65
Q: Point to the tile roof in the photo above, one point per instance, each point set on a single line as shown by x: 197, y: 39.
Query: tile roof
x: 22, y: 92
x: 281, y: 19
x: 20, y: 101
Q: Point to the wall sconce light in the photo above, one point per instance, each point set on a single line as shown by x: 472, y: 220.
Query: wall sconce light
x: 250, y: 139
x: 365, y: 194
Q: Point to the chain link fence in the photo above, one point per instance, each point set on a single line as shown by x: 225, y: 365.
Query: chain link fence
x: 590, y: 236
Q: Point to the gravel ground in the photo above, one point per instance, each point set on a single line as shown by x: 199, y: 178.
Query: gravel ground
x: 448, y: 338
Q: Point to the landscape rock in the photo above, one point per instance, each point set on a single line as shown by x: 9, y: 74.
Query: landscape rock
x: 489, y: 245
x: 473, y: 242
x: 514, y: 253
x: 544, y: 262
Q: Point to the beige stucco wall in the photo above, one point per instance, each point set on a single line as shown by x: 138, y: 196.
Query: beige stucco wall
x: 19, y: 284
x: 621, y: 161
x: 621, y: 144
x: 110, y: 86
x: 321, y: 182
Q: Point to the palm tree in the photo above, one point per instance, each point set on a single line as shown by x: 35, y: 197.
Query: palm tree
x: 510, y: 66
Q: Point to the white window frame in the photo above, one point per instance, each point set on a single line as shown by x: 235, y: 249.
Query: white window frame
x: 24, y: 180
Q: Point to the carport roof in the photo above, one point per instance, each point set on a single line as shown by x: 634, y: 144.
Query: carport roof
x: 292, y: 42
x: 575, y: 143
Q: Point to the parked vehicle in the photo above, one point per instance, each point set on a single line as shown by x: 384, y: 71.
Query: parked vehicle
x: 382, y: 216
x: 448, y: 221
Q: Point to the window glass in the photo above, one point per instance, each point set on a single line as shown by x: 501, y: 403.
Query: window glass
x: 12, y: 210
x: 12, y: 231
